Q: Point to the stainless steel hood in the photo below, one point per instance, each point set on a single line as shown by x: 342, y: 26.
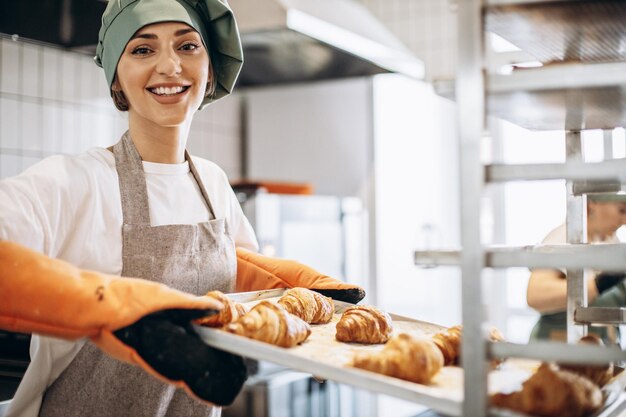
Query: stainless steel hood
x: 284, y: 41
x: 289, y: 41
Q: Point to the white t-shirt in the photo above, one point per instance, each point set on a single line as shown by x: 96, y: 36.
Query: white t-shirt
x: 558, y: 236
x: 69, y: 208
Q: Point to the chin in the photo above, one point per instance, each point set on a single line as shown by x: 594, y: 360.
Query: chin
x: 165, y: 117
x: 173, y: 119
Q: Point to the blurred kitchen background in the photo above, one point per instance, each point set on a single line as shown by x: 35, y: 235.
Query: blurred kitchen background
x: 359, y: 121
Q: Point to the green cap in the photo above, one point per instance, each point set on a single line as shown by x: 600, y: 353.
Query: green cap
x: 213, y: 19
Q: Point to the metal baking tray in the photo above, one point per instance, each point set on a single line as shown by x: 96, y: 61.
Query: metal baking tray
x: 323, y: 356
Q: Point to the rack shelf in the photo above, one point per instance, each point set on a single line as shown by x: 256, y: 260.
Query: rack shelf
x: 602, y: 257
x: 561, y: 97
x: 557, y: 97
x: 600, y: 315
x: 558, y: 352
x: 581, y: 85
x: 553, y: 31
x: 577, y: 171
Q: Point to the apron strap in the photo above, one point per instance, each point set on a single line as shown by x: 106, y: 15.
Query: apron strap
x: 133, y: 188
x: 195, y: 174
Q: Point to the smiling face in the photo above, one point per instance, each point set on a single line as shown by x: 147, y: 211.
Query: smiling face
x: 163, y: 74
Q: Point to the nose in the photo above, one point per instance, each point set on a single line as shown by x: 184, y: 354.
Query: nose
x: 168, y: 63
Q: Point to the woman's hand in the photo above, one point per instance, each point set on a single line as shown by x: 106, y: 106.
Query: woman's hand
x: 137, y: 321
x: 258, y: 272
x: 167, y: 342
x: 547, y: 291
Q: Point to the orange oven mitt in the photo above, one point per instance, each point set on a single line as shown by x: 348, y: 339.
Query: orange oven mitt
x: 134, y: 320
x: 257, y: 272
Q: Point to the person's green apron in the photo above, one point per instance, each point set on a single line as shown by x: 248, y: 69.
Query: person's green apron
x: 554, y: 326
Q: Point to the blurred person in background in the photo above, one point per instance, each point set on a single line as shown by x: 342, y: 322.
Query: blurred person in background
x: 547, y: 288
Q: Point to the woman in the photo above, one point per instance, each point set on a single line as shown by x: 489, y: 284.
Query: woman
x: 547, y: 288
x: 141, y: 208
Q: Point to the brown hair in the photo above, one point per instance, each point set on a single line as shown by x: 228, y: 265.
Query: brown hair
x: 121, y: 103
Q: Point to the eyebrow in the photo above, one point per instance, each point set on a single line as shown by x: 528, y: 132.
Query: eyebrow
x: 179, y: 32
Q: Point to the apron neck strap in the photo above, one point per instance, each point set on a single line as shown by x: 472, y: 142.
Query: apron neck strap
x: 133, y: 189
x: 195, y: 174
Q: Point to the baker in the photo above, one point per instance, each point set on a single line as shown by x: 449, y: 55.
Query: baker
x: 547, y: 288
x: 141, y: 208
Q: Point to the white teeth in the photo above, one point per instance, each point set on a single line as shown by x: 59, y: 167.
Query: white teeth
x: 167, y: 91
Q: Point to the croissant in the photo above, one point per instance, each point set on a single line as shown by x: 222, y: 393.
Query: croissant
x: 310, y: 306
x: 405, y: 357
x: 552, y: 392
x: 599, y: 375
x: 449, y: 341
x: 241, y: 309
x: 364, y: 324
x: 271, y: 323
x: 231, y: 312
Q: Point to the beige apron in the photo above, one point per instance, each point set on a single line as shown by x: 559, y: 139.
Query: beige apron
x: 192, y: 258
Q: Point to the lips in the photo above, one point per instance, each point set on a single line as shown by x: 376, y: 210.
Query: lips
x: 168, y: 91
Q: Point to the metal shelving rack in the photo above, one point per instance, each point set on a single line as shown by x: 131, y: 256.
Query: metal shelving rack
x: 582, y: 85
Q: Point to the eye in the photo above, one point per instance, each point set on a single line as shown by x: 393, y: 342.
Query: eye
x: 190, y: 46
x: 141, y: 50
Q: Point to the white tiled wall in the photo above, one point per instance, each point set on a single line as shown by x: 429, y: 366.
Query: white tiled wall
x: 216, y: 135
x: 426, y: 27
x: 53, y: 101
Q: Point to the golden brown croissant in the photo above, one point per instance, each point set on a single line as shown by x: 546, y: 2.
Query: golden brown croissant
x: 449, y: 341
x: 310, y: 306
x: 551, y: 392
x: 364, y: 324
x: 600, y: 374
x: 405, y: 357
x: 231, y: 312
x: 271, y: 323
x: 241, y: 309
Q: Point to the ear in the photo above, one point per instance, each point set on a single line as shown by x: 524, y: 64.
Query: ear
x: 115, y: 86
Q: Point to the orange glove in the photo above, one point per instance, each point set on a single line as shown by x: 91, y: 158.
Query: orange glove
x: 137, y: 321
x: 257, y: 272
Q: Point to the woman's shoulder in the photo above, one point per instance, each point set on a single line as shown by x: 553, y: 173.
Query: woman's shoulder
x: 69, y: 172
x: 209, y: 169
x: 557, y: 236
x: 88, y: 161
x: 93, y: 161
